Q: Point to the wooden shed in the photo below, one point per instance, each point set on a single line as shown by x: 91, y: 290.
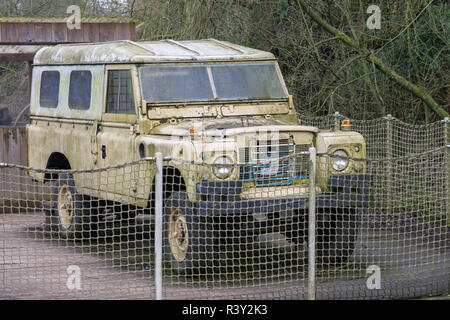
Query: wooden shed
x: 22, y: 37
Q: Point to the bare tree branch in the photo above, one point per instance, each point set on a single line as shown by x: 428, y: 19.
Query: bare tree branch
x: 418, y: 91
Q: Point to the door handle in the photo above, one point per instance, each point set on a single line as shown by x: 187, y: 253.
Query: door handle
x: 103, y: 151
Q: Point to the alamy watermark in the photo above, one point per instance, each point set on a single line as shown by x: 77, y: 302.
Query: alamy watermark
x: 74, y: 20
x: 73, y: 277
x: 374, y: 20
x: 374, y: 279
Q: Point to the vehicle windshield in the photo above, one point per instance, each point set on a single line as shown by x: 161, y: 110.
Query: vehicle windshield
x: 209, y: 82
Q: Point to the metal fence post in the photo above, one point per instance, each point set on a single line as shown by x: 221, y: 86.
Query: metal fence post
x: 312, y: 225
x: 389, y: 156
x: 447, y: 163
x: 158, y: 224
x: 337, y: 121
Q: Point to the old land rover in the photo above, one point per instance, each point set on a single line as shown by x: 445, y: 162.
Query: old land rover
x: 197, y: 102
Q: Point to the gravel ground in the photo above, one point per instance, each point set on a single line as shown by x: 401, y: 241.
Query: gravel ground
x: 413, y: 257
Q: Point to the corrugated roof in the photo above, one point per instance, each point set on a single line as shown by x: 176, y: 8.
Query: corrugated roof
x: 64, y: 20
x: 147, y: 52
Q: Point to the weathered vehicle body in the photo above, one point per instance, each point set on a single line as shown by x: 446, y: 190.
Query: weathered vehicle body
x: 205, y: 101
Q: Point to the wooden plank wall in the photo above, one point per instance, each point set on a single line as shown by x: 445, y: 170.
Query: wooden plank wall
x: 57, y: 32
x: 18, y: 192
x: 13, y: 145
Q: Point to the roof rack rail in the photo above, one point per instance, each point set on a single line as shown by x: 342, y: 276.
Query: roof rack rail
x: 184, y: 47
x: 140, y: 46
x: 227, y: 45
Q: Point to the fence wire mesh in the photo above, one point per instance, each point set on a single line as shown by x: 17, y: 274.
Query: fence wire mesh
x: 75, y: 236
x: 397, y: 230
x: 381, y: 231
x: 389, y: 137
x: 240, y: 239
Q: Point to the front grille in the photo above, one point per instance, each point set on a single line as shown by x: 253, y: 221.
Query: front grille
x: 272, y: 162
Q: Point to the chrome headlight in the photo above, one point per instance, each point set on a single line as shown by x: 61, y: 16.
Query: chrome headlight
x: 339, y: 164
x: 223, y: 168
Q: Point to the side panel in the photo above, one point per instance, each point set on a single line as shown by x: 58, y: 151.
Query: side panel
x: 62, y: 129
x: 63, y: 110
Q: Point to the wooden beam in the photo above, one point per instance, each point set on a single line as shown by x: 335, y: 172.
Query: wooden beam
x: 17, y: 57
x: 49, y: 33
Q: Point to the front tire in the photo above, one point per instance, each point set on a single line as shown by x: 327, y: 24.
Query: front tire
x: 184, y: 237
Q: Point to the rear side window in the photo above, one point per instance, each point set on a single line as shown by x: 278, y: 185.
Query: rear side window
x: 80, y: 90
x: 49, y: 91
x: 119, y: 95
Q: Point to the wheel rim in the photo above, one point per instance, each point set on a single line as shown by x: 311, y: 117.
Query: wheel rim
x: 65, y: 207
x: 178, y: 235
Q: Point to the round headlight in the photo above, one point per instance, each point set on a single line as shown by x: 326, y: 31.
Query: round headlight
x: 223, y: 168
x: 339, y: 164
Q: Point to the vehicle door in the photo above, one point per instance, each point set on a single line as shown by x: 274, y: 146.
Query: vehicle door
x: 117, y: 133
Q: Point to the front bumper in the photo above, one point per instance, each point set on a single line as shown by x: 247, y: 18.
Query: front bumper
x: 349, y: 191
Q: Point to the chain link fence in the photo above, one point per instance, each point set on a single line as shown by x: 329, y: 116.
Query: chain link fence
x: 388, y: 137
x: 75, y: 236
x: 278, y: 227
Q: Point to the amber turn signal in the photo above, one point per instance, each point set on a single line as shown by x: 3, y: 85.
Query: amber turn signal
x: 346, y: 125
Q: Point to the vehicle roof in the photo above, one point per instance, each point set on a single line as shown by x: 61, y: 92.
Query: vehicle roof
x: 126, y: 51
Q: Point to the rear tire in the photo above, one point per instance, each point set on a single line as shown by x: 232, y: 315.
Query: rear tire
x: 337, y: 232
x: 69, y: 215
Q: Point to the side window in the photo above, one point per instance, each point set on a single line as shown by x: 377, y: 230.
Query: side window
x: 80, y: 90
x: 49, y: 90
x: 119, y: 94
